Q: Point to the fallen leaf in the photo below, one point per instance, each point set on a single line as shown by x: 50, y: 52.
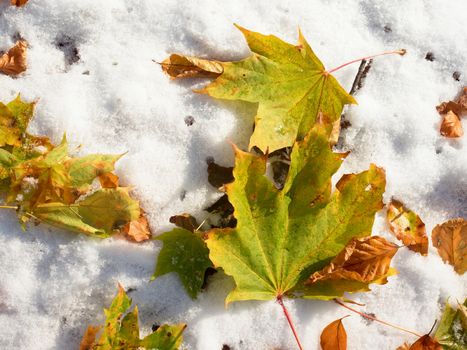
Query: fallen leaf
x: 284, y: 236
x: 405, y: 346
x: 177, y: 66
x: 289, y: 83
x: 334, y: 336
x: 364, y: 260
x: 426, y: 343
x: 89, y: 338
x: 19, y: 3
x: 14, y: 61
x: 185, y: 221
x: 459, y: 106
x: 407, y: 227
x: 108, y: 180
x: 451, y: 125
x: 138, y: 230
x: 452, y: 329
x: 185, y: 253
x: 121, y: 330
x: 450, y: 238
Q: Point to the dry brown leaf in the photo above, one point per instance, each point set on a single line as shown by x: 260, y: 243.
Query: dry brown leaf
x: 14, y: 61
x: 334, y: 336
x: 407, y: 227
x: 138, y: 230
x: 19, y: 3
x: 405, y: 346
x: 185, y: 221
x: 364, y: 260
x: 426, y: 343
x: 178, y: 66
x: 108, y: 180
x: 450, y: 238
x: 89, y: 338
x: 451, y: 125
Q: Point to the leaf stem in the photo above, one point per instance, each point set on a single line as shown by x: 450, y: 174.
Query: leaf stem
x: 8, y: 207
x: 289, y: 320
x: 399, y: 52
x: 375, y: 319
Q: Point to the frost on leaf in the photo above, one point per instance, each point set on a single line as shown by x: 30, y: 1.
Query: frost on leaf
x: 450, y: 238
x: 121, y: 330
x: 452, y: 329
x: 185, y: 253
x: 334, y: 336
x: 284, y: 236
x: 47, y: 184
x: 289, y: 83
x: 407, y: 227
x: 14, y: 61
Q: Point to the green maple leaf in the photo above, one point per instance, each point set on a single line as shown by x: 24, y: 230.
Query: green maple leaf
x: 121, y: 331
x: 283, y: 236
x: 289, y: 83
x: 185, y: 253
x: 452, y: 329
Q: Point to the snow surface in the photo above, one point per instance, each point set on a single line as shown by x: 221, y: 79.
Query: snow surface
x: 114, y: 98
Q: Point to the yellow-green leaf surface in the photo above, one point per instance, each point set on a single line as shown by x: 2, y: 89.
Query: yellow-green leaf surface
x: 283, y: 236
x: 84, y: 170
x: 452, y: 329
x: 14, y: 119
x: 185, y: 253
x: 121, y: 331
x: 289, y: 83
x: 98, y: 214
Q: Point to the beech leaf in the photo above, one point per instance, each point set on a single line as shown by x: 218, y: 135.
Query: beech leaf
x: 14, y: 61
x: 121, y: 331
x: 407, y: 227
x: 450, y: 238
x: 334, y: 336
x: 289, y: 83
x: 185, y: 253
x: 284, y: 236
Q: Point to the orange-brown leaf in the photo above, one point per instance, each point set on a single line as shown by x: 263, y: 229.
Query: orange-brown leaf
x: 459, y: 106
x: 334, y: 336
x: 364, y: 260
x: 89, y: 338
x: 178, y: 66
x: 138, y: 230
x: 19, y: 3
x: 185, y: 221
x: 407, y: 227
x: 108, y: 180
x: 451, y: 125
x: 426, y: 343
x: 405, y: 346
x: 450, y: 238
x: 14, y: 61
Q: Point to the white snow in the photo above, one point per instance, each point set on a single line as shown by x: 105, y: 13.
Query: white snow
x: 116, y: 99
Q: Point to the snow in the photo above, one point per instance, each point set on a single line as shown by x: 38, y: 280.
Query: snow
x: 112, y: 97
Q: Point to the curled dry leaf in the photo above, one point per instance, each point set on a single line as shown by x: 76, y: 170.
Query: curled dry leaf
x: 426, y: 343
x: 89, y: 338
x: 451, y: 125
x: 407, y: 227
x: 186, y: 221
x: 177, y: 66
x: 19, y: 3
x: 14, y: 61
x: 334, y: 336
x: 138, y: 230
x: 450, y: 238
x: 452, y: 111
x: 364, y: 260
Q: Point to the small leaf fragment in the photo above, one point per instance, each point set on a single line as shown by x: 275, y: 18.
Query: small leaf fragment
x: 451, y: 125
x: 186, y: 221
x: 185, y: 253
x: 178, y: 66
x: 334, y: 336
x: 19, y: 3
x: 108, y: 180
x: 426, y: 343
x: 138, y: 230
x: 407, y: 227
x: 89, y: 338
x: 14, y: 61
x: 450, y: 238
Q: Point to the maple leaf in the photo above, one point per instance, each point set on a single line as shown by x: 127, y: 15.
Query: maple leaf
x: 13, y: 62
x: 185, y: 253
x: 334, y: 336
x: 289, y: 83
x: 407, y: 227
x: 284, y: 236
x: 121, y: 331
x: 452, y: 329
x: 450, y: 238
